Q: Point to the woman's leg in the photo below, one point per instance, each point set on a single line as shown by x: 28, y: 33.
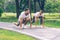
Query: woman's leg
x: 36, y: 19
x: 41, y: 21
x: 33, y: 20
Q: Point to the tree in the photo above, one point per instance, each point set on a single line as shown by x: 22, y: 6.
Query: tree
x: 2, y: 4
x: 17, y: 7
x: 1, y: 11
x: 52, y: 6
x: 10, y: 7
x: 41, y: 4
x: 1, y: 7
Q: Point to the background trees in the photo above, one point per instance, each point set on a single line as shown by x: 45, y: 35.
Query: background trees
x: 1, y: 7
x: 50, y: 5
x: 1, y: 11
x: 10, y: 5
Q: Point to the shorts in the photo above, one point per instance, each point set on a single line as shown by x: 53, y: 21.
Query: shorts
x: 22, y: 22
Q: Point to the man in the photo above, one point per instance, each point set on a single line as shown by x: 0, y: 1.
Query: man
x: 24, y: 18
x: 39, y: 15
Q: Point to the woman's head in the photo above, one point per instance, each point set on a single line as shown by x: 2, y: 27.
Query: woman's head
x: 41, y: 12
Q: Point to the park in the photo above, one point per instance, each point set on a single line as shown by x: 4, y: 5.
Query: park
x: 11, y: 11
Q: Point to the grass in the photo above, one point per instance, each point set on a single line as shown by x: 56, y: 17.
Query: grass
x: 10, y: 35
x: 8, y: 17
x: 51, y: 20
x: 52, y: 23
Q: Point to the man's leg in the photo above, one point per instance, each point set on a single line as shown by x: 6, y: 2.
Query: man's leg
x: 28, y: 20
x: 25, y: 21
x: 30, y: 23
x: 17, y: 24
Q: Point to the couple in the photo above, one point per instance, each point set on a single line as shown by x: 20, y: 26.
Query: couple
x: 25, y: 17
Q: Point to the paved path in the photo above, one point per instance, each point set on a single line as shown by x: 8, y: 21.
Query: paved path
x: 41, y: 34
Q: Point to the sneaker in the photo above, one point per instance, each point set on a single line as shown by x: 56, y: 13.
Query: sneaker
x: 41, y: 26
x: 24, y: 26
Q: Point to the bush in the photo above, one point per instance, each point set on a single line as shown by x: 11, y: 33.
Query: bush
x: 52, y: 6
x: 1, y: 11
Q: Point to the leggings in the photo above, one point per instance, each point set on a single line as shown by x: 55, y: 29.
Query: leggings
x: 40, y: 17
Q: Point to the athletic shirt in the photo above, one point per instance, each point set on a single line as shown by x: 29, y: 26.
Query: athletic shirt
x: 22, y: 15
x: 38, y: 13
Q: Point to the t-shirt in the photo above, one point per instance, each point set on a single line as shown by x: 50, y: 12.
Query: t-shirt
x: 22, y: 15
x: 38, y: 13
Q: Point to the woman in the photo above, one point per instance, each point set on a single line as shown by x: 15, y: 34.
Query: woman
x: 39, y: 15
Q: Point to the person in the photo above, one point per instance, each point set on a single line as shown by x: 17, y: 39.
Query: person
x: 39, y: 15
x: 24, y: 18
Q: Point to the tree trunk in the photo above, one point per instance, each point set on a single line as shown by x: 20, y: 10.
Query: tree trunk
x: 0, y: 14
x: 17, y: 8
x: 34, y: 6
x: 41, y: 4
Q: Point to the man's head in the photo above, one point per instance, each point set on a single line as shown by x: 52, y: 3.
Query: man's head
x: 27, y: 11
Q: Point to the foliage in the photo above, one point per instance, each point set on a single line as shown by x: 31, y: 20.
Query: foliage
x: 52, y: 6
x: 2, y: 3
x: 11, y: 8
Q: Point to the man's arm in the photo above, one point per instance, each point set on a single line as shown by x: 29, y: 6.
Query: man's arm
x: 21, y: 22
x: 30, y: 21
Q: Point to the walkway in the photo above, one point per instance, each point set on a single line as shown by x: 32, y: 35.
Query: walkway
x: 41, y: 34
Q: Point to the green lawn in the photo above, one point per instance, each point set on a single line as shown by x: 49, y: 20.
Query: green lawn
x: 52, y: 23
x: 10, y: 35
x: 8, y: 17
x: 51, y: 20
